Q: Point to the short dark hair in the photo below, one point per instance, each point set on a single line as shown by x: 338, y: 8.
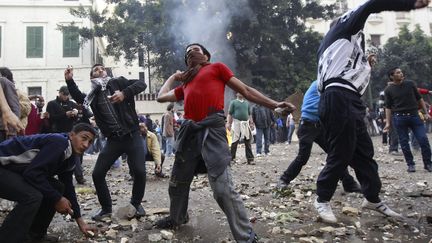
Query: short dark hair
x: 391, y: 71
x: 96, y: 65
x: 84, y: 127
x: 205, y: 51
x: 170, y: 106
x: 7, y: 73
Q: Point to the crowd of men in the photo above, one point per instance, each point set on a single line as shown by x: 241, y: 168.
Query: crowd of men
x: 41, y: 164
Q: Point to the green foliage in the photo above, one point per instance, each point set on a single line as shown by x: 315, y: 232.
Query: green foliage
x: 274, y: 50
x: 412, y: 52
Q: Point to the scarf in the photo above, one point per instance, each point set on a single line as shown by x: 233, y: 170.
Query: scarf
x: 195, y: 61
x: 96, y: 84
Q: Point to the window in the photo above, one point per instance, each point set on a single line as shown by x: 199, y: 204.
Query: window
x: 34, y: 42
x: 376, y: 40
x: 70, y: 43
x: 34, y: 90
x: 1, y: 34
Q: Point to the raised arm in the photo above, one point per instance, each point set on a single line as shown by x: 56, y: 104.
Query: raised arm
x: 166, y: 93
x: 74, y: 91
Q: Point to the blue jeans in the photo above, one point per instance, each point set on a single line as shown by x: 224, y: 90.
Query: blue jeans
x: 169, y: 146
x: 290, y: 132
x: 403, y: 123
x: 259, y: 134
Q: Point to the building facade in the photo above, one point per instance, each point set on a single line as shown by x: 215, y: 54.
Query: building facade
x: 34, y: 48
x: 382, y: 26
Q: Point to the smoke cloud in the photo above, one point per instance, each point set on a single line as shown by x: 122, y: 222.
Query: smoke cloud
x: 207, y: 22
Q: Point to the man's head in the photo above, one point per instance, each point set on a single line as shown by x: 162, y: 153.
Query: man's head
x: 239, y: 96
x: 7, y: 73
x: 63, y: 93
x: 98, y: 71
x: 198, y: 48
x: 143, y: 128
x: 81, y: 137
x: 170, y: 107
x: 395, y: 74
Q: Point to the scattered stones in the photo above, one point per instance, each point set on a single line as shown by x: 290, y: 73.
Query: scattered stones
x: 167, y: 235
x: 154, y: 237
x: 350, y: 211
x: 126, y: 212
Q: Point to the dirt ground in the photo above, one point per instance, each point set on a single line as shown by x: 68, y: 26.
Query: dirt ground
x: 286, y: 217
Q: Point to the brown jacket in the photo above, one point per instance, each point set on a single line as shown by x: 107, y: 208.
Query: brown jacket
x: 168, y: 130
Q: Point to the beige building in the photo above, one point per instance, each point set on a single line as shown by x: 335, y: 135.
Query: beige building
x: 382, y: 26
x: 37, y: 52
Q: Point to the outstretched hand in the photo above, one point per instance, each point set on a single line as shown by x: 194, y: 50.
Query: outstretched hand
x: 421, y: 3
x: 68, y: 73
x: 284, y: 108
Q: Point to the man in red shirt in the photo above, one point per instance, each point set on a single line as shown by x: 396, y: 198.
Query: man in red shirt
x: 202, y: 142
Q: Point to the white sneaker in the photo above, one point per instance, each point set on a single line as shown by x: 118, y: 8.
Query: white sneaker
x: 325, y: 212
x: 258, y: 155
x: 381, y: 208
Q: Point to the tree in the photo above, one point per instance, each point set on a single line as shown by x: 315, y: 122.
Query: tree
x: 273, y: 49
x: 412, y: 52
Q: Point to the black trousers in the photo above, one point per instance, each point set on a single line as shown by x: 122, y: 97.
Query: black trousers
x: 309, y: 132
x: 32, y: 214
x: 248, y: 150
x: 132, y: 145
x: 341, y: 113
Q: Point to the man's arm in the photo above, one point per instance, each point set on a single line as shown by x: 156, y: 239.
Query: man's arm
x: 356, y: 19
x: 74, y: 91
x: 9, y: 119
x: 388, y: 120
x: 424, y: 109
x: 255, y: 96
x: 132, y: 87
x: 166, y: 93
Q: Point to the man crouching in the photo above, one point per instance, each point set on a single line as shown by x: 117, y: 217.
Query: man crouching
x: 28, y: 165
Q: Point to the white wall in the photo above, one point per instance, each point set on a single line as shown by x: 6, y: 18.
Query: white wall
x: 46, y: 72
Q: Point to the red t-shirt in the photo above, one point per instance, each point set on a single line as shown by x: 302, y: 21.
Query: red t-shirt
x: 205, y: 93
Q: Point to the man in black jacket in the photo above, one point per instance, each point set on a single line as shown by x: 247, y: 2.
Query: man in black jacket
x: 343, y: 76
x: 263, y: 119
x: 62, y: 112
x: 113, y: 105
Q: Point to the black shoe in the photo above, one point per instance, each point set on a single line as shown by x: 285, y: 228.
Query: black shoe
x: 44, y: 239
x: 411, y: 168
x: 101, y: 215
x: 282, y: 185
x: 354, y: 188
x: 81, y: 180
x: 140, y: 212
x: 162, y: 175
x: 428, y: 167
x: 253, y: 239
x: 167, y: 223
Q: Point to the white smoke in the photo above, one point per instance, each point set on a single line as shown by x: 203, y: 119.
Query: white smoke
x: 207, y: 22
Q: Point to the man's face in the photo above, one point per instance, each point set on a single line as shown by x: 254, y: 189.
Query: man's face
x: 143, y: 128
x: 81, y: 141
x: 99, y: 72
x: 194, y: 48
x: 63, y: 97
x: 240, y: 96
x: 397, y: 75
